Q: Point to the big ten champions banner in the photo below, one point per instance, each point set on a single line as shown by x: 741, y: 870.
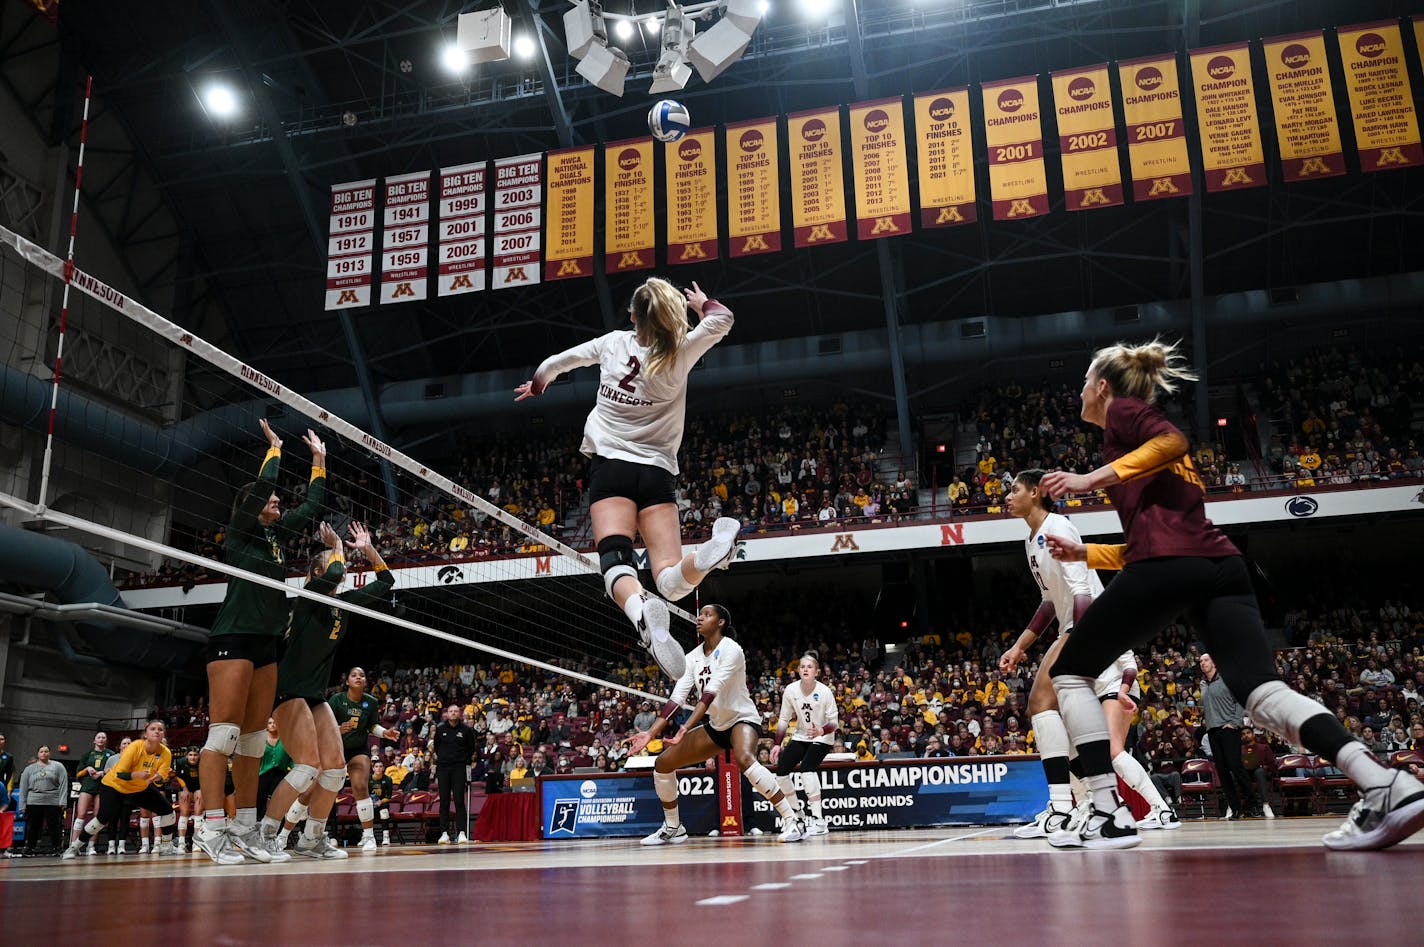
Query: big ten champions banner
x: 628, y: 223
x: 1304, y: 103
x: 753, y: 187
x: 461, y: 251
x: 1018, y: 183
x: 1232, y: 157
x: 1157, y: 158
x: 817, y: 177
x: 622, y: 804
x: 922, y: 792
x: 691, y: 168
x: 1381, y: 103
x: 518, y: 188
x: 1087, y: 138
x: 350, y: 243
x: 405, y: 239
x: 944, y: 141
x: 881, y: 169
x: 568, y: 200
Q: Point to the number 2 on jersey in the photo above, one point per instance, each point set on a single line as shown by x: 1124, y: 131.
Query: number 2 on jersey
x: 626, y: 382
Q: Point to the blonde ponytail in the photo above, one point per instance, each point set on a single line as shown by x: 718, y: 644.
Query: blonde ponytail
x: 1142, y: 371
x: 661, y: 314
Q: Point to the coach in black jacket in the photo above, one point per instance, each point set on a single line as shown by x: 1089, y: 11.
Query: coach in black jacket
x: 452, y: 748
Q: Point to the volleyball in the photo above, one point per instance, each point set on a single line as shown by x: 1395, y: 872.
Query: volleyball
x: 668, y: 120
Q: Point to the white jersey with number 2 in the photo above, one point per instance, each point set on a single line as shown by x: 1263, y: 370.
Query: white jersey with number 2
x: 815, y: 709
x: 723, y: 673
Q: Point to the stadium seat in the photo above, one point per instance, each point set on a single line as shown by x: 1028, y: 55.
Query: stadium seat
x: 1405, y: 758
x: 1199, y: 781
x: 1295, y: 776
x: 1334, y: 785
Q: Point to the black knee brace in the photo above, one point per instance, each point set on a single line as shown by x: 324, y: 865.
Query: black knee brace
x: 615, y: 560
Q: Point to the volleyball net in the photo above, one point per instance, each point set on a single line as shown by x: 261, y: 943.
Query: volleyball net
x: 132, y: 435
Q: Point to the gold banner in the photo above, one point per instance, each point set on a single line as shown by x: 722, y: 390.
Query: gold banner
x: 569, y: 205
x: 691, y: 167
x: 817, y: 177
x: 1013, y: 130
x: 753, y: 187
x: 629, y: 229
x: 944, y: 139
x: 1304, y: 102
x: 1230, y: 131
x: 1381, y: 102
x: 1087, y: 138
x: 881, y: 169
x: 1157, y: 157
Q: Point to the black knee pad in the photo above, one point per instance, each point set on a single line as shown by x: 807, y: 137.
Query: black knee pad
x: 616, y: 559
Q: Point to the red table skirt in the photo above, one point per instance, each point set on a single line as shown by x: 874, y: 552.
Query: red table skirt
x: 509, y: 817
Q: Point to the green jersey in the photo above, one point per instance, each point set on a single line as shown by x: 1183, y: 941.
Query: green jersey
x: 317, y: 629
x: 275, y: 757
x: 251, y: 609
x: 95, y: 759
x: 363, y: 715
x: 381, y: 790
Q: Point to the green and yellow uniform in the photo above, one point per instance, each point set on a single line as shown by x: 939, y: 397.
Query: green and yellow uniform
x: 381, y: 791
x: 96, y: 760
x: 187, y: 775
x: 317, y: 629
x: 363, y: 715
x: 136, y: 757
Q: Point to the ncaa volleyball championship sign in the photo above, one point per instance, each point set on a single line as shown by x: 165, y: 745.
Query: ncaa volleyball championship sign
x: 621, y: 804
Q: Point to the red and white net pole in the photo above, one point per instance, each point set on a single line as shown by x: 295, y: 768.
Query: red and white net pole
x: 64, y: 304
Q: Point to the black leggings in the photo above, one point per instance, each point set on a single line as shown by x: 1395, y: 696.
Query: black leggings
x: 1236, y: 783
x: 451, y: 780
x: 1146, y: 596
x: 115, y: 806
x: 803, y: 755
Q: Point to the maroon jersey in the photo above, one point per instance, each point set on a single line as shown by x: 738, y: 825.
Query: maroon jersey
x: 1162, y: 512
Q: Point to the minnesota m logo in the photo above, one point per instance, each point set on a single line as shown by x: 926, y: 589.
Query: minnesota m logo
x: 1093, y: 195
x: 756, y: 243
x: 517, y: 275
x: 347, y: 296
x: 845, y: 542
x: 1313, y: 166
x: 630, y: 260
x: 949, y: 215
x: 541, y: 565
x: 461, y: 282
x: 1236, y: 176
x: 1390, y: 156
x: 884, y: 225
x: 402, y: 289
x: 1022, y: 208
x: 820, y: 232
x: 1163, y: 186
x: 569, y: 268
x: 693, y: 251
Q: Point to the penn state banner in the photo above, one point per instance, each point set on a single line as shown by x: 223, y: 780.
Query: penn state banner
x: 690, y: 166
x: 1157, y: 158
x: 1381, y: 101
x: 817, y: 177
x: 1087, y: 138
x: 461, y: 251
x: 753, y: 187
x: 881, y: 169
x: 944, y: 143
x: 1303, y: 99
x: 351, y: 241
x: 568, y: 200
x: 518, y: 223
x: 1232, y: 156
x: 628, y: 234
x: 1013, y: 130
x: 405, y: 238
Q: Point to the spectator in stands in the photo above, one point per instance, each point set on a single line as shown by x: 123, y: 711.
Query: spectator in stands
x: 1259, y: 761
x: 44, y: 792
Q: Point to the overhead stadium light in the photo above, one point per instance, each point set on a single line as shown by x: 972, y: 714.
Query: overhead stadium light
x: 605, y: 67
x: 673, y: 70
x: 453, y: 58
x: 484, y: 35
x: 717, y: 49
x: 586, y: 35
x: 524, y: 46
x: 220, y: 101
x: 746, y: 14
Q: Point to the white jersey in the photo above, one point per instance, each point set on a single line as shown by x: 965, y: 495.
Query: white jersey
x: 637, y: 417
x: 1059, y: 581
x: 815, y: 709
x: 723, y: 673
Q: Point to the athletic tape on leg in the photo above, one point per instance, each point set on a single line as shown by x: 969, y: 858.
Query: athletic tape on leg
x: 252, y: 744
x: 763, y: 780
x: 222, y: 738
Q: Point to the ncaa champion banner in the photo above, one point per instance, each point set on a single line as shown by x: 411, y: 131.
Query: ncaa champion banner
x: 1087, y: 138
x: 691, y: 220
x: 351, y: 241
x: 1232, y: 156
x: 882, y: 174
x: 602, y: 805
x: 1304, y: 102
x: 817, y: 177
x: 518, y: 189
x: 753, y: 187
x: 1381, y: 102
x: 461, y: 251
x: 1018, y: 184
x: 568, y: 196
x: 1157, y: 156
x: 628, y: 205
x: 944, y: 141
x: 405, y: 240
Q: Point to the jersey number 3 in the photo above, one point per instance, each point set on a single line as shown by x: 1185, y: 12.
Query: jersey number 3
x: 626, y: 382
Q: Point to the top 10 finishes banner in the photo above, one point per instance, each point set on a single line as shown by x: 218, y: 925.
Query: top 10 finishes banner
x: 1381, y: 102
x: 753, y: 187
x: 1232, y: 156
x: 1087, y: 138
x: 1018, y: 184
x: 944, y: 141
x: 628, y: 212
x: 691, y: 218
x: 817, y: 177
x: 882, y: 173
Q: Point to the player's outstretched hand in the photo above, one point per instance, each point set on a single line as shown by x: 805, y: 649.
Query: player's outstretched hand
x: 676, y: 738
x: 696, y: 298
x: 318, y: 449
x: 272, y: 439
x: 526, y: 390
x: 329, y: 537
x: 638, y: 742
x: 1060, y: 483
x: 1128, y: 704
x: 360, y: 537
x: 1065, y: 550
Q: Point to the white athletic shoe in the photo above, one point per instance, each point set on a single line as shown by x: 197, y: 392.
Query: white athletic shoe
x: 319, y: 848
x: 217, y: 846
x: 123, y: 848
x: 368, y: 842
x: 247, y: 840
x: 1267, y: 811
x: 111, y: 850
x: 444, y: 839
x: 793, y: 829
x: 1047, y: 822
x: 1385, y: 814
x: 817, y: 827
x: 462, y: 840
x: 1160, y: 819
x: 1115, y: 829
x: 667, y: 835
x: 91, y: 850
x: 143, y: 847
x: 275, y: 847
x: 73, y: 850
x: 1230, y: 815
x: 653, y: 629
x: 719, y: 551
x: 166, y: 848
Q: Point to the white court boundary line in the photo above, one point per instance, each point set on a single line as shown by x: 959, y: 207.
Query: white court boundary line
x: 922, y: 847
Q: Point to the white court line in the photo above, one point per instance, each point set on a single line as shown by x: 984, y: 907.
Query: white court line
x: 955, y: 838
x: 835, y: 868
x: 771, y: 886
x: 807, y: 877
x: 724, y: 899
x: 857, y: 861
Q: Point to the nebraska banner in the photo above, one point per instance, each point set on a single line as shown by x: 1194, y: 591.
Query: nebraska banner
x: 461, y: 251
x: 817, y: 177
x: 753, y: 187
x: 518, y: 190
x: 691, y: 167
x: 1087, y: 138
x: 351, y: 242
x: 405, y: 239
x: 882, y: 173
x: 1157, y: 156
x: 1232, y: 157
x: 1018, y: 184
x: 1381, y: 102
x: 568, y: 197
x: 944, y: 141
x: 1304, y: 103
x: 628, y: 214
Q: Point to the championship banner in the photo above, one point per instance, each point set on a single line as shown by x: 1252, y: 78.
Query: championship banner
x: 881, y: 169
x: 461, y: 250
x: 1157, y: 156
x: 1304, y: 102
x: 351, y: 241
x: 568, y: 196
x: 610, y: 805
x: 817, y: 177
x: 753, y: 187
x: 691, y: 219
x: 405, y: 238
x: 629, y: 235
x: 1018, y: 183
x: 1381, y: 101
x: 1087, y: 138
x: 944, y: 141
x: 1232, y: 156
x: 518, y: 215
